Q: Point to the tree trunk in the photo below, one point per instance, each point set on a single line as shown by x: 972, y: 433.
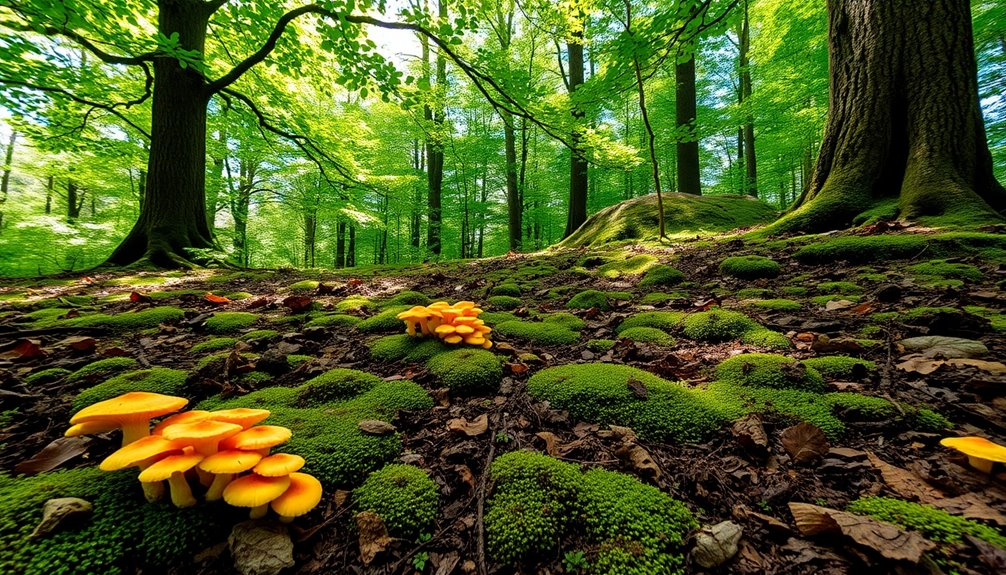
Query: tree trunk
x: 73, y: 200
x: 217, y: 181
x: 903, y: 118
x: 688, y: 142
x: 173, y: 216
x: 513, y: 200
x: 351, y: 248
x: 5, y: 179
x: 435, y: 154
x: 750, y: 173
x: 49, y: 188
x: 416, y: 219
x: 340, y: 245
x: 577, y: 163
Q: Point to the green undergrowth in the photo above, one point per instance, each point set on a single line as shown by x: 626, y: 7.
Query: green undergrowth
x: 601, y: 300
x: 404, y: 347
x: 538, y: 502
x: 467, y: 371
x: 407, y: 298
x: 226, y: 322
x: 840, y: 366
x: 749, y: 267
x: 633, y: 265
x: 155, y: 380
x: 650, y: 335
x: 323, y: 414
x: 103, y: 368
x: 386, y: 320
x: 947, y: 270
x: 334, y: 320
x: 662, y: 276
x: 769, y: 370
x: 47, y: 376
x: 503, y: 302
x: 722, y: 325
x: 554, y: 329
x: 214, y: 344
x: 507, y: 289
x: 865, y: 249
x: 775, y: 304
x: 125, y: 321
x: 403, y: 496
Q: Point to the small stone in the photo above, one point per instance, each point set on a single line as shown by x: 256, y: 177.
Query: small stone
x: 376, y: 427
x: 888, y: 293
x: 61, y: 512
x: 260, y: 548
x: 945, y: 346
x: 717, y: 544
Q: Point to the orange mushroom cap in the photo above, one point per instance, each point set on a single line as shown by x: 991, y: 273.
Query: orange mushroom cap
x: 139, y: 451
x: 303, y: 495
x: 193, y: 416
x: 230, y: 461
x: 254, y: 490
x: 464, y: 330
x: 445, y: 329
x: 243, y: 416
x: 279, y: 464
x: 203, y: 435
x: 164, y: 468
x: 258, y: 437
x: 135, y: 405
x: 99, y: 426
x: 981, y: 452
x: 453, y: 339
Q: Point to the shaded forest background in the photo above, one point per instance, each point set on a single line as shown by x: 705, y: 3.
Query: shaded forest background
x: 73, y: 176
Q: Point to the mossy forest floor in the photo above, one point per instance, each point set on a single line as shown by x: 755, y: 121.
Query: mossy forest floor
x: 571, y: 329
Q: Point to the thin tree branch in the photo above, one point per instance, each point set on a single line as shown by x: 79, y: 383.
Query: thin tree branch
x: 111, y: 108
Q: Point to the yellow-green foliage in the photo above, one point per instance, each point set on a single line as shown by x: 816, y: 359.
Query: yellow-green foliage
x: 591, y: 298
x: 102, y: 368
x: 824, y: 299
x: 304, y: 285
x: 843, y: 288
x: 662, y: 275
x: 214, y: 344
x: 407, y: 298
x: 721, y: 325
x: 769, y: 370
x: 662, y: 320
x: 944, y: 269
x: 386, y: 320
x: 861, y: 249
x: 749, y: 267
x: 794, y: 404
x: 540, y: 501
x: 404, y: 496
x: 779, y: 304
x: 334, y: 320
x: 324, y: 426
x: 766, y: 338
x: 932, y: 523
x: 600, y: 392
x: 154, y: 380
x: 861, y: 407
x: 507, y: 289
x: 565, y: 319
x: 260, y: 335
x: 124, y: 533
x: 647, y: 335
x: 634, y: 265
x: 47, y: 376
x: 656, y: 298
x: 538, y: 332
x: 467, y: 370
x: 229, y: 321
x: 504, y: 302
x: 404, y: 347
x: 600, y: 345
x: 354, y: 303
x: 840, y: 366
x: 126, y: 321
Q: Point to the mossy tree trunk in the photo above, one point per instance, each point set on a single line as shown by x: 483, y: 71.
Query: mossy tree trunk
x: 903, y: 121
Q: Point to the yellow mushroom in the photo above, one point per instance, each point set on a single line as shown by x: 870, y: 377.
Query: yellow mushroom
x: 982, y: 454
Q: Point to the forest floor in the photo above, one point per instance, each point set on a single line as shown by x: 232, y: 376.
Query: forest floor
x: 748, y: 472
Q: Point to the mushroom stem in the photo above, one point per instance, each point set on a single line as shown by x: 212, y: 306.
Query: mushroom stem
x: 424, y: 326
x: 153, y: 491
x: 983, y: 465
x: 135, y: 430
x: 259, y: 512
x: 216, y: 490
x: 181, y: 493
x: 285, y: 519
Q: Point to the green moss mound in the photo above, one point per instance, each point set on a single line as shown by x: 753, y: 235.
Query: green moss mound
x: 662, y: 320
x: 753, y: 293
x: 404, y: 347
x: 685, y: 215
x: 600, y: 392
x: 776, y: 304
x: 404, y: 496
x: 633, y: 265
x: 861, y: 407
x: 123, y: 535
x: 539, y: 501
x: 214, y: 344
x: 467, y: 371
x: 590, y: 298
x: 504, y: 302
x: 334, y: 320
x: 408, y: 298
x: 511, y: 290
x: 354, y: 303
x: 824, y: 299
x: 717, y: 325
x: 864, y: 249
x: 840, y: 366
x: 647, y: 335
x: 749, y: 267
x: 129, y: 321
x: 224, y: 322
x: 600, y: 345
x: 843, y: 288
x: 766, y: 338
x: 260, y: 335
x: 565, y: 319
x: 335, y: 385
x: 657, y: 298
x: 492, y: 318
x: 792, y: 404
x: 103, y: 368
x: 384, y: 321
x: 944, y: 269
x: 932, y: 523
x: 154, y: 380
x: 541, y: 333
x: 47, y: 376
x: 662, y: 275
x: 768, y: 370
x: 304, y: 286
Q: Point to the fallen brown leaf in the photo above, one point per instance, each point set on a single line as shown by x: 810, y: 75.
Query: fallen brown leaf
x: 137, y: 297
x: 217, y: 299
x: 750, y: 432
x: 804, y: 442
x: 53, y: 455
x: 24, y: 349
x: 373, y: 535
x: 470, y: 428
x: 297, y: 303
x: 79, y: 343
x: 640, y: 460
x: 551, y: 441
x: 904, y: 482
x: 884, y: 538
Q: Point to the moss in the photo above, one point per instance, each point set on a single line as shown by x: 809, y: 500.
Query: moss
x: 647, y: 335
x: 925, y: 419
x: 655, y: 298
x: 843, y: 288
x: 768, y: 370
x: 404, y: 347
x: 794, y: 290
x: 600, y: 345
x: 497, y: 317
x: 304, y: 285
x: 913, y: 314
x: 504, y: 302
x: 354, y: 303
x: 155, y: 380
x: 408, y: 298
x: 296, y: 360
x: 260, y: 335
x: 403, y: 496
x: 934, y: 524
x: 662, y: 275
x: 103, y: 368
x: 634, y: 265
x: 883, y: 210
x: 540, y: 501
x: 600, y: 392
x: 540, y: 333
x: 511, y: 290
x: 775, y: 304
x: 749, y: 267
x: 335, y: 385
x: 766, y: 338
x: 861, y: 407
x: 229, y: 321
x: 874, y: 278
x: 824, y: 299
x: 255, y: 378
x: 334, y: 320
x: 214, y: 344
x: 840, y: 366
x: 128, y: 321
x: 590, y: 298
x: 467, y: 371
x: 662, y: 320
x: 754, y: 293
x: 47, y: 376
x: 792, y: 404
x: 863, y: 249
x: 383, y: 321
x: 947, y: 270
x: 717, y: 325
x: 566, y: 320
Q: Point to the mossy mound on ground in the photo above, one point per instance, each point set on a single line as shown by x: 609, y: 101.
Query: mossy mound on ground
x: 492, y: 318
x: 403, y: 496
x: 504, y: 302
x: 840, y: 366
x: 224, y: 322
x: 932, y: 523
x: 334, y: 320
x: 537, y: 332
x: 685, y: 214
x: 103, y: 368
x: 662, y: 275
x: 407, y: 297
x: 565, y: 319
x: 467, y: 371
x: 717, y: 325
x: 354, y: 303
x: 768, y: 370
x: 404, y: 347
x: 863, y: 249
x: 749, y: 267
x: 512, y: 290
x: 861, y: 407
x: 601, y: 393
x: 326, y: 435
x: 766, y: 338
x: 214, y: 344
x: 663, y: 320
x: 47, y: 376
x: 657, y: 298
x: 600, y: 345
x: 647, y: 335
x: 944, y: 269
x: 633, y: 265
x: 792, y: 404
x: 128, y: 321
x: 304, y: 286
x: 154, y: 380
x: 124, y: 534
x: 777, y: 304
x: 754, y: 293
x: 260, y: 335
x: 539, y: 501
x: 592, y: 298
x: 386, y: 320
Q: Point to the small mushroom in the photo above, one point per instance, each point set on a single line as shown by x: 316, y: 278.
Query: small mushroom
x: 142, y: 453
x: 982, y: 454
x: 224, y: 465
x: 204, y: 436
x: 279, y: 464
x: 131, y: 411
x: 256, y: 492
x: 91, y: 428
x: 173, y: 469
x: 303, y: 495
x: 194, y: 416
x: 453, y: 339
x: 259, y: 438
x: 243, y: 416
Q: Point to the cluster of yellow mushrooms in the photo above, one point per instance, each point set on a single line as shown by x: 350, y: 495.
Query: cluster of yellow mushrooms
x: 452, y: 323
x: 210, y: 447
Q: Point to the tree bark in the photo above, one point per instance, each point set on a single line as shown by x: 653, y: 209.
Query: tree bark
x: 435, y: 154
x: 689, y: 181
x: 903, y: 119
x: 750, y: 173
x: 49, y: 188
x: 577, y: 163
x: 515, y: 209
x: 73, y: 200
x: 5, y: 179
x: 173, y: 216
